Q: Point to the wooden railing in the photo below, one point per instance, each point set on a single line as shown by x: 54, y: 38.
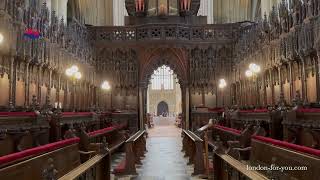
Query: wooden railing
x: 135, y: 149
x: 97, y: 168
x: 228, y: 168
x: 192, y: 145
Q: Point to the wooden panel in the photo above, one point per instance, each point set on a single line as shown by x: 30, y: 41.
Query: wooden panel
x: 297, y: 85
x: 32, y: 90
x: 276, y: 93
x: 284, y: 157
x: 53, y: 96
x: 210, y: 100
x: 269, y: 95
x: 286, y: 91
x: 65, y: 160
x: 20, y: 93
x: 4, y: 90
x: 196, y: 100
x: 43, y: 94
x: 311, y: 88
x: 61, y: 98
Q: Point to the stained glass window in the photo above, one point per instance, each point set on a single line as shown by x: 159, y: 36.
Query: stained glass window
x: 163, y: 78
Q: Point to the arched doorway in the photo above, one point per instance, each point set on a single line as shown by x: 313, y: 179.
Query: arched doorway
x: 162, y: 109
x: 176, y: 60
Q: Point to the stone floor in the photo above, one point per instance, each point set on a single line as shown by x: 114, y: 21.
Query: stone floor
x: 164, y: 159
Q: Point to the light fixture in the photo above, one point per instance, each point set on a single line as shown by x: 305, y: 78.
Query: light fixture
x: 105, y: 85
x: 222, y: 83
x: 73, y: 72
x: 1, y: 38
x: 78, y: 75
x: 254, y: 68
x: 249, y: 73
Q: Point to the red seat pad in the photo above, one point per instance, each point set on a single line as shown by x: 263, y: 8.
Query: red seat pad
x: 37, y: 150
x: 105, y: 130
x: 231, y: 130
x: 308, y: 110
x: 288, y: 145
x: 120, y: 167
x: 77, y: 114
x: 101, y: 131
x: 18, y: 114
x: 216, y: 110
x: 254, y: 111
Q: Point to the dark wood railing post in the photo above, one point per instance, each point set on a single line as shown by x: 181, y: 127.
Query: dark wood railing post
x: 130, y: 158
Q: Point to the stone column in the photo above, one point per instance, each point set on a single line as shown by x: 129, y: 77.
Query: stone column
x: 272, y: 87
x: 203, y: 97
x: 187, y: 106
x: 291, y: 81
x: 303, y: 81
x: 27, y: 88
x: 280, y: 80
x: 12, y: 82
x: 142, y: 96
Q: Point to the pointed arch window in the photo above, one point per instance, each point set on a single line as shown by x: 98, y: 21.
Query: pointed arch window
x: 163, y: 78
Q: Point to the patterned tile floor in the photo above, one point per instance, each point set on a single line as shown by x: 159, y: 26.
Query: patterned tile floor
x: 164, y: 159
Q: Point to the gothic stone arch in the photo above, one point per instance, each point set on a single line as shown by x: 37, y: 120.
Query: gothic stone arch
x: 152, y: 58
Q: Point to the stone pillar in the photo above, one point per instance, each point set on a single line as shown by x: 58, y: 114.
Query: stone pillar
x: 27, y: 88
x: 291, y: 81
x: 187, y: 106
x: 303, y: 81
x: 264, y: 91
x: 12, y: 82
x: 272, y: 87
x: 280, y: 80
x: 203, y: 97
x: 142, y: 103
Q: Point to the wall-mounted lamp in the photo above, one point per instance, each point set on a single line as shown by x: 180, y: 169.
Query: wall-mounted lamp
x: 73, y: 72
x: 253, y: 70
x: 222, y: 83
x: 105, y: 85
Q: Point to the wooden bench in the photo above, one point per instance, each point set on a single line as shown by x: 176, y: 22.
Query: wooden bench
x: 228, y: 168
x: 201, y: 115
x: 267, y: 151
x: 69, y: 121
x: 135, y: 148
x: 130, y: 118
x: 193, y: 147
x: 37, y: 163
x: 114, y: 136
x: 268, y: 122
x: 96, y: 168
x: 22, y: 130
x: 302, y: 126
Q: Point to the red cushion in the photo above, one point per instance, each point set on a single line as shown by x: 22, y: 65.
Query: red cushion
x: 17, y: 114
x: 254, y: 110
x: 308, y: 110
x: 101, y: 131
x: 37, y: 150
x: 215, y: 109
x: 261, y: 110
x: 231, y: 130
x: 287, y: 145
x: 120, y: 167
x: 77, y: 114
x: 105, y: 130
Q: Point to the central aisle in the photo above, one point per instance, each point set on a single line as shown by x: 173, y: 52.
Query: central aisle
x: 164, y: 159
